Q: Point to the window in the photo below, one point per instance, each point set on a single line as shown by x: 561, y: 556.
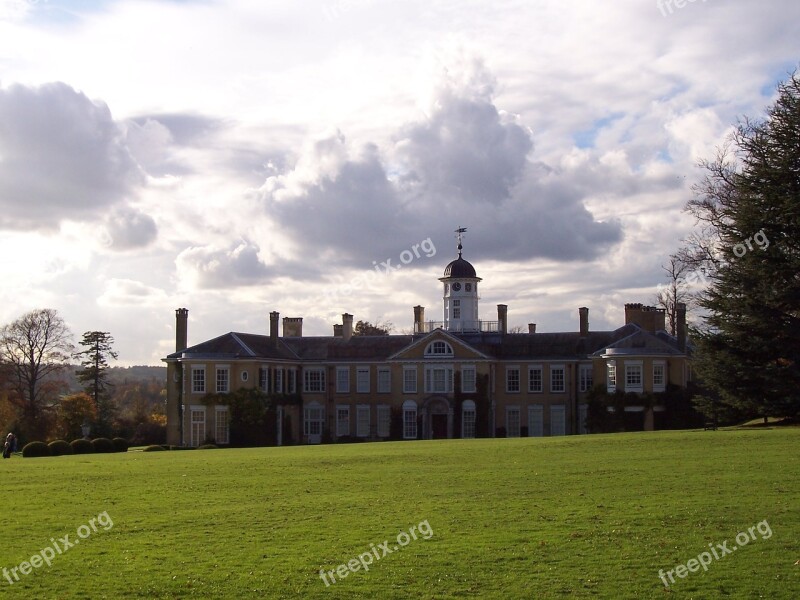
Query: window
x: 362, y: 420
x: 198, y: 380
x: 409, y: 420
x: 535, y: 379
x: 342, y: 380
x: 557, y: 378
x: 198, y: 431
x: 585, y: 376
x: 512, y: 379
x: 468, y: 419
x: 512, y: 421
x: 583, y: 414
x: 245, y: 376
x: 439, y: 379
x: 535, y: 420
x: 439, y: 348
x: 222, y: 433
x: 659, y: 381
x: 223, y: 380
x: 292, y: 377
x: 468, y: 379
x: 342, y: 420
x: 611, y: 377
x: 409, y: 380
x: 362, y: 380
x: 384, y: 380
x: 314, y: 380
x: 456, y: 309
x: 633, y: 376
x: 313, y: 417
x: 263, y: 379
x: 558, y: 419
x: 384, y: 421
x: 278, y: 381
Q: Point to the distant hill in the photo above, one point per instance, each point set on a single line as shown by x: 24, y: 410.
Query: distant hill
x: 122, y: 375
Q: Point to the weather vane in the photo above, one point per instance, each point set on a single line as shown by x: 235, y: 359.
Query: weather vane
x: 459, y: 231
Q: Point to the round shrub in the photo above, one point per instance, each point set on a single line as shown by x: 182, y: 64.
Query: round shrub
x: 154, y: 448
x: 208, y: 447
x: 120, y: 444
x: 103, y: 445
x: 35, y: 449
x: 82, y: 446
x: 59, y: 448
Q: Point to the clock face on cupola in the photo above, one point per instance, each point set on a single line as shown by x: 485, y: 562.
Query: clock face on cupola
x: 460, y: 292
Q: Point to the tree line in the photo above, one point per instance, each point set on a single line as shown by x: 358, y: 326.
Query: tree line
x: 36, y: 400
x: 739, y: 269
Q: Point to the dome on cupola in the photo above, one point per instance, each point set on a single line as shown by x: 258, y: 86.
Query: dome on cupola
x: 459, y: 268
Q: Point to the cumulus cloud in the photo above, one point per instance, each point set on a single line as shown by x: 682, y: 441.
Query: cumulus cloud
x: 62, y: 156
x: 129, y: 292
x: 128, y: 229
x: 212, y: 267
x: 465, y: 163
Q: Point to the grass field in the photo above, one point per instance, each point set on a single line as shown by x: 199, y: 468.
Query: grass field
x: 582, y: 516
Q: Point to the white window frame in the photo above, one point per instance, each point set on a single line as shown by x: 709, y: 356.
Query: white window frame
x: 472, y: 379
x: 313, y: 419
x: 384, y: 380
x: 660, y: 365
x: 468, y: 419
x: 342, y: 380
x: 553, y: 380
x: 410, y: 380
x: 222, y: 379
x: 362, y: 380
x: 513, y: 423
x: 535, y: 384
x: 634, y: 369
x: 342, y: 420
x: 279, y: 380
x: 409, y: 420
x: 362, y: 420
x: 509, y: 380
x: 263, y: 379
x: 536, y: 420
x: 611, y: 376
x: 439, y: 348
x: 197, y: 427
x: 198, y: 383
x: 438, y: 374
x: 384, y: 420
x: 314, y: 380
x: 222, y: 430
x: 562, y: 425
x: 291, y: 384
x: 585, y: 377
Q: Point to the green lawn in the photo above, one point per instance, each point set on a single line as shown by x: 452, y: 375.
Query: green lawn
x: 583, y: 516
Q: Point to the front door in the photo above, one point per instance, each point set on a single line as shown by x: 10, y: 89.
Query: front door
x: 439, y: 427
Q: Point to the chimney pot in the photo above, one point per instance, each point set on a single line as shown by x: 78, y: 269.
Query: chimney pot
x: 181, y: 329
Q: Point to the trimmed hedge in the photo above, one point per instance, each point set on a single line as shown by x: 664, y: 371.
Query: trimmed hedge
x: 208, y: 447
x: 35, y: 450
x: 59, y: 448
x: 82, y: 446
x: 154, y: 448
x: 120, y: 444
x: 103, y: 445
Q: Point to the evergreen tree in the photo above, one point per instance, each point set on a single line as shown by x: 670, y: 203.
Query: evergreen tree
x: 748, y: 351
x: 94, y: 375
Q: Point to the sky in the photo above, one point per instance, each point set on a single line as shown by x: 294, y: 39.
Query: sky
x: 315, y: 157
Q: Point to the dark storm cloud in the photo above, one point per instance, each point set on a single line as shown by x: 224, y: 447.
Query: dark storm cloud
x: 62, y: 156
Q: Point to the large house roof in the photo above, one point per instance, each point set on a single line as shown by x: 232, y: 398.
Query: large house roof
x: 627, y: 340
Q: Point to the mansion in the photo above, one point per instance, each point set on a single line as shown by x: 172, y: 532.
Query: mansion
x: 461, y: 377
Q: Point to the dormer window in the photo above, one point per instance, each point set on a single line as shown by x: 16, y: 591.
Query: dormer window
x: 439, y: 348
